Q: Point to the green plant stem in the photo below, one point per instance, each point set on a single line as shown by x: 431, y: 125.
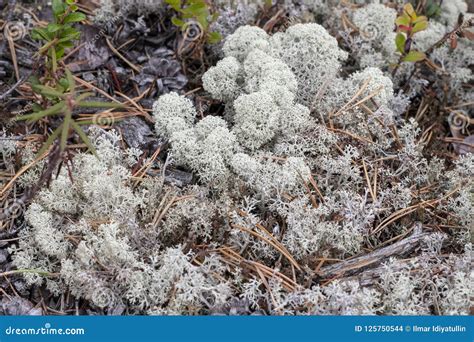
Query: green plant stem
x: 46, y: 47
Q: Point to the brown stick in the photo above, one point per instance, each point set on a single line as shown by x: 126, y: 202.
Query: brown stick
x: 352, y: 266
x: 371, y: 276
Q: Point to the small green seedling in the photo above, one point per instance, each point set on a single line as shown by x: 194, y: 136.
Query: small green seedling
x: 65, y: 99
x: 198, y: 11
x: 408, y: 24
x: 432, y: 9
x: 57, y: 89
x: 60, y: 34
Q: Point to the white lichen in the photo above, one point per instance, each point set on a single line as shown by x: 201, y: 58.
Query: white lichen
x: 173, y: 113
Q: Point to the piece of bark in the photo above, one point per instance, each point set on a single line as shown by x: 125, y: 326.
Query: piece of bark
x: 18, y: 306
x: 137, y: 133
x: 178, y: 177
x: 173, y: 176
x: 375, y: 258
x: 370, y: 277
x: 93, y: 53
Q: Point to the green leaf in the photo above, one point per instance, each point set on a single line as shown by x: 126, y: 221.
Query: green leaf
x: 85, y: 122
x: 67, y: 39
x: 433, y: 10
x: 414, y: 56
x: 40, y: 33
x: 59, y: 52
x: 48, y: 91
x: 54, y: 59
x: 57, y: 108
x: 175, y: 4
x: 214, y: 37
x: 409, y: 10
x: 58, y: 7
x: 196, y: 8
x: 65, y: 45
x: 69, y: 31
x: 187, y: 15
x: 420, y: 26
x: 84, y: 137
x: 68, y: 34
x: 177, y: 22
x: 74, y: 17
x: 34, y: 80
x: 51, y: 28
x: 63, y: 83
x: 50, y: 140
x: 83, y: 96
x: 201, y: 2
x: 202, y: 20
x: 36, y: 107
x: 70, y: 81
x: 400, y: 40
x: 420, y: 18
x: 403, y: 20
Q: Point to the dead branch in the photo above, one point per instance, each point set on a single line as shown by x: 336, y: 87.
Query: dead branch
x: 375, y: 258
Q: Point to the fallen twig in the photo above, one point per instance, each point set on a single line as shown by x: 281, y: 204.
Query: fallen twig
x: 351, y: 266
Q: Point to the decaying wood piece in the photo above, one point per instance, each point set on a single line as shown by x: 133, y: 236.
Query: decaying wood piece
x: 371, y: 276
x: 373, y: 259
